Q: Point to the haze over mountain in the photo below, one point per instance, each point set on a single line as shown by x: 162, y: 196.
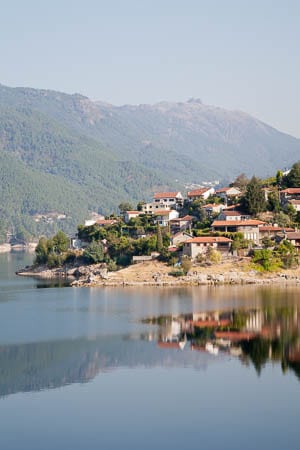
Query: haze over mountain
x: 97, y: 155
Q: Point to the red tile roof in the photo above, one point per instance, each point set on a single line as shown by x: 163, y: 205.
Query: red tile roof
x: 295, y: 235
x: 235, y: 335
x: 166, y: 194
x: 162, y: 212
x: 232, y: 213
x: 182, y: 219
x: 291, y: 191
x: 272, y: 228
x: 225, y: 189
x: 168, y: 345
x: 210, y: 323
x: 106, y: 222
x: 207, y: 239
x: 240, y: 223
x: 232, y: 207
x: 134, y: 212
x: 197, y: 192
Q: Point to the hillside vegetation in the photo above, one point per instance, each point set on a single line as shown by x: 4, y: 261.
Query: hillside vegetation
x: 67, y: 154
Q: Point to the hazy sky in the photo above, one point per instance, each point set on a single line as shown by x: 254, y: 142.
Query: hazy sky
x: 233, y: 53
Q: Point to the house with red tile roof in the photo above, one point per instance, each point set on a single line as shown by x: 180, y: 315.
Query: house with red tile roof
x: 202, y: 193
x: 289, y: 194
x: 271, y: 231
x: 213, y: 208
x: 132, y: 215
x: 164, y: 216
x: 106, y: 222
x: 170, y: 199
x: 294, y: 238
x: 163, y: 200
x: 249, y: 228
x: 181, y: 223
x: 228, y: 194
x: 201, y: 245
x: 231, y: 215
x: 295, y: 204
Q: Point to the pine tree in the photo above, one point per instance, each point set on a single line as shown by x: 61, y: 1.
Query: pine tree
x: 254, y: 199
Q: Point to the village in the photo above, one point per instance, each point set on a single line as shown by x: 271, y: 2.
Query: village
x: 232, y: 234
x: 223, y: 218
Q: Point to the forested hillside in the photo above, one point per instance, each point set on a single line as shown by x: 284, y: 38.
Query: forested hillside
x: 68, y: 154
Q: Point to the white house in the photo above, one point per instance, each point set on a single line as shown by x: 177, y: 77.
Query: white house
x: 163, y: 216
x: 202, y: 193
x: 228, y: 193
x: 249, y: 228
x: 132, y: 215
x: 170, y: 199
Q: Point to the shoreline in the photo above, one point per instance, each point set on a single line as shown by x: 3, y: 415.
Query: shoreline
x: 8, y: 248
x: 155, y: 273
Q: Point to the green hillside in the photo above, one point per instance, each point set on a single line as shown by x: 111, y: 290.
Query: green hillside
x: 74, y: 156
x: 47, y: 168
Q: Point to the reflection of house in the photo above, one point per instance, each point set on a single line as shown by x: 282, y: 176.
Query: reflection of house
x: 201, y: 245
x: 202, y: 194
x: 249, y: 228
x: 163, y: 217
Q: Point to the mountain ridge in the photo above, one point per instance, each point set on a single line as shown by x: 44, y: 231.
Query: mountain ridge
x: 108, y: 154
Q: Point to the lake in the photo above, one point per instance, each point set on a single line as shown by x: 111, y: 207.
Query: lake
x: 200, y: 367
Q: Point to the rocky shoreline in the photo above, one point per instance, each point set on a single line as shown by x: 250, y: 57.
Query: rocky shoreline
x: 157, y: 274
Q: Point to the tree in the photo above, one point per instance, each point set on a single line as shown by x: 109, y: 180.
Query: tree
x: 273, y: 202
x: 279, y: 177
x: 125, y: 206
x: 60, y: 242
x: 94, y: 253
x: 186, y: 265
x: 159, y: 242
x: 292, y: 179
x: 253, y: 200
x: 42, y: 251
x: 240, y: 182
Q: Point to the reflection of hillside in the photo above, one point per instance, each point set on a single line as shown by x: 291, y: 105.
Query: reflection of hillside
x: 45, y: 365
x: 256, y: 336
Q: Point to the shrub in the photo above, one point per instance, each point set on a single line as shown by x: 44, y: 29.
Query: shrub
x: 186, y: 265
x: 94, y: 253
x: 177, y: 273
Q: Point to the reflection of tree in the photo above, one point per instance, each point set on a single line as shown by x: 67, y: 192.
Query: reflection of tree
x: 258, y: 350
x: 295, y: 366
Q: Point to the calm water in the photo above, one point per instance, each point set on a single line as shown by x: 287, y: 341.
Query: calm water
x: 211, y: 368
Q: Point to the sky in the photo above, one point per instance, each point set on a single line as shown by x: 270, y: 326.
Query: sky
x: 236, y: 54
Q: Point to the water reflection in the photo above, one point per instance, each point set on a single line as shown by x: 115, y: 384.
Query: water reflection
x: 254, y: 336
x: 46, y: 365
x: 196, y: 340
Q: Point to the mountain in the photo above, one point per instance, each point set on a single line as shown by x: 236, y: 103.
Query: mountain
x: 74, y: 155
